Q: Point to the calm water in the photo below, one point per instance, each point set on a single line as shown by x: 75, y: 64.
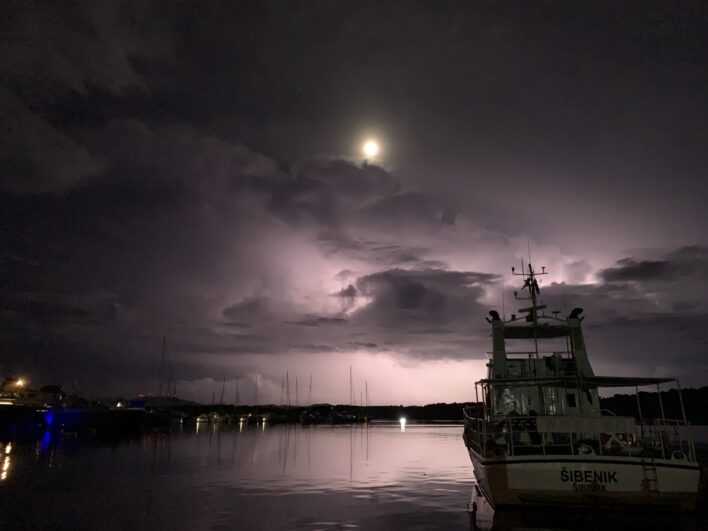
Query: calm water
x: 281, y: 477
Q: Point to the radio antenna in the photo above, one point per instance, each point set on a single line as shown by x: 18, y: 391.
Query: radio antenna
x: 528, y: 246
x: 503, y: 308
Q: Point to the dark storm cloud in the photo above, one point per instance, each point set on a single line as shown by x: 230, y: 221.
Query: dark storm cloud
x: 188, y: 215
x: 398, y: 312
x: 682, y: 263
x: 317, y: 348
x: 364, y: 345
x: 177, y: 156
x: 163, y: 229
x: 249, y: 308
x: 348, y: 296
x: 355, y: 185
x: 39, y: 309
x: 315, y: 320
x: 628, y: 269
x: 398, y: 303
x: 651, y: 313
x: 194, y: 172
x: 412, y: 300
x: 408, y: 208
x: 54, y: 51
x: 348, y: 292
x: 386, y: 254
x: 37, y: 157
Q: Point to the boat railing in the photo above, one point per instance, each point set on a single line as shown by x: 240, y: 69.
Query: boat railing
x: 672, y: 437
x: 523, y: 363
x: 588, y: 436
x: 533, y: 354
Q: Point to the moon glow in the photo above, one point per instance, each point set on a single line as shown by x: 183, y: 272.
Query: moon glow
x: 370, y: 148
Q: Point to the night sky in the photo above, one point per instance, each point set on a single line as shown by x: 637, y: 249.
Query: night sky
x: 195, y: 170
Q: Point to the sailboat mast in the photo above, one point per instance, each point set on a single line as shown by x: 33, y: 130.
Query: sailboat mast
x: 163, y: 361
x: 168, y: 389
x: 174, y: 382
x: 309, y: 394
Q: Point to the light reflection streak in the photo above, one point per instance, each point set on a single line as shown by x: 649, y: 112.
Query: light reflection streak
x: 295, y: 446
x: 6, y: 462
x: 45, y: 442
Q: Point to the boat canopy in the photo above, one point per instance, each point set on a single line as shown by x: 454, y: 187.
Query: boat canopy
x: 573, y: 381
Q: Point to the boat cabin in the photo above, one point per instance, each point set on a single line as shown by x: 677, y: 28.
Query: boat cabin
x: 537, y: 401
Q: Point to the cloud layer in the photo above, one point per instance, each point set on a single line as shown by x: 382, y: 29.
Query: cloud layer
x: 181, y: 175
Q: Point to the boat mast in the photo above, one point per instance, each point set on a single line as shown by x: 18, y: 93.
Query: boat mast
x: 171, y: 383
x: 531, y: 284
x: 533, y: 289
x: 256, y: 391
x: 163, y: 362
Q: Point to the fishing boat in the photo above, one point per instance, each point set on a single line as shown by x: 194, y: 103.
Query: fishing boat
x: 539, y: 436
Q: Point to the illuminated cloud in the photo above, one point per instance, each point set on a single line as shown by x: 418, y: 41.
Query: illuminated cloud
x: 192, y: 176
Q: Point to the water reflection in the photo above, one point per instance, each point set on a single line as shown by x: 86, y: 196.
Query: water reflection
x: 262, y: 476
x: 6, y: 462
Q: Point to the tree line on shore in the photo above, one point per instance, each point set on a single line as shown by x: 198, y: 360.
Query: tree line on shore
x: 695, y: 404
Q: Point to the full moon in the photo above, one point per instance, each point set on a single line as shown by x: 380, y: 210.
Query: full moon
x: 371, y: 148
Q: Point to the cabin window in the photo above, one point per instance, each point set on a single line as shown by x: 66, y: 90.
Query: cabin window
x: 571, y: 399
x: 550, y: 401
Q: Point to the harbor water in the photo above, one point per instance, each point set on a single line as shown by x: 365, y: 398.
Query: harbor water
x: 204, y: 476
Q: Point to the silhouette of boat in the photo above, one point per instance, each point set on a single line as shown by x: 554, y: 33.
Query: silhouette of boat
x: 539, y: 436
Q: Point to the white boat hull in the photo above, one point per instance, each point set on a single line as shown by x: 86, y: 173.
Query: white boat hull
x: 596, y: 480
